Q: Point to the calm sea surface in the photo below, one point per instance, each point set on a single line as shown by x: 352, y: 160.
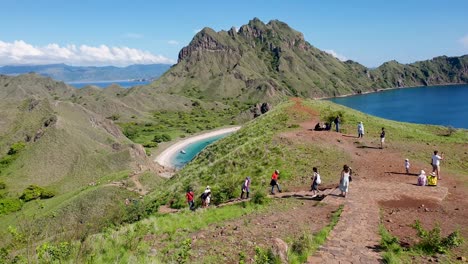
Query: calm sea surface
x: 103, y: 84
x: 180, y: 159
x: 436, y: 105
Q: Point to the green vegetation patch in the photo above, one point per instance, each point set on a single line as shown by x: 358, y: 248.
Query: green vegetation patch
x: 167, y: 125
x: 33, y: 192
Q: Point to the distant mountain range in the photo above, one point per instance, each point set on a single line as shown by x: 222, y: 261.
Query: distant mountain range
x: 69, y: 73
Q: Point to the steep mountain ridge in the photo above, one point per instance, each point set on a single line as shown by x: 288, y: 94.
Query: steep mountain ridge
x: 270, y: 60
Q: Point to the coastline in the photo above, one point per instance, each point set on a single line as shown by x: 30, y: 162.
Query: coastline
x: 378, y: 90
x: 164, y: 158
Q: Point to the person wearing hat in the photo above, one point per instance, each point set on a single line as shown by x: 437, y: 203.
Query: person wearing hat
x: 422, y: 179
x: 432, y: 179
x: 274, y: 182
x: 360, y: 130
x: 407, y: 165
x: 206, y: 197
x: 245, y: 188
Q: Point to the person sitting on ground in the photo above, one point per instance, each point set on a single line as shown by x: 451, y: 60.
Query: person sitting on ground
x: 422, y: 179
x: 274, y: 182
x: 328, y: 126
x: 432, y: 179
x: 190, y: 196
x: 318, y: 127
x: 407, y: 165
x: 245, y: 188
x: 315, y: 182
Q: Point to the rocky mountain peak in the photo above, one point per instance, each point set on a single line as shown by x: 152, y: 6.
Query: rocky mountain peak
x: 275, y: 35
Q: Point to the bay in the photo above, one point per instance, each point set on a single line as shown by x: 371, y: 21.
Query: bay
x: 435, y: 105
x: 104, y: 84
x: 180, y: 159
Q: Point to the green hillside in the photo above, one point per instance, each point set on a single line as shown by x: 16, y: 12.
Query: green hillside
x: 269, y: 142
x: 265, y: 61
x: 71, y: 154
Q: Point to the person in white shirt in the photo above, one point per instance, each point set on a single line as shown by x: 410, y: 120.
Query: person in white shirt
x: 436, y: 158
x: 360, y: 130
x: 407, y: 165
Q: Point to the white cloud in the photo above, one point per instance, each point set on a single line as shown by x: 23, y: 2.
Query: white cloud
x: 336, y: 55
x: 20, y: 52
x: 464, y: 41
x: 173, y: 42
x: 197, y: 30
x: 132, y: 35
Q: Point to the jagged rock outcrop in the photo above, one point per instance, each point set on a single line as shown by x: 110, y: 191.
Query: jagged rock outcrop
x: 260, y: 62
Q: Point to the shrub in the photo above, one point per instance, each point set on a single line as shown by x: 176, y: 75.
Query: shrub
x: 150, y: 145
x: 2, y: 185
x: 8, y: 205
x: 33, y: 192
x: 51, y: 253
x: 258, y: 198
x: 263, y: 256
x: 432, y: 241
x: 114, y: 117
x: 16, y: 147
x: 388, y: 242
x: 162, y: 138
x: 329, y: 116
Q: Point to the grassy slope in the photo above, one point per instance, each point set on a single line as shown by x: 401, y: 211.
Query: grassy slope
x: 257, y: 149
x: 266, y: 61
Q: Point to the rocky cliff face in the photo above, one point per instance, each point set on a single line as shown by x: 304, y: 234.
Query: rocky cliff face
x: 261, y: 60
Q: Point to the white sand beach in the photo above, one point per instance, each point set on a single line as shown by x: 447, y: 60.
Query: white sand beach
x: 164, y: 158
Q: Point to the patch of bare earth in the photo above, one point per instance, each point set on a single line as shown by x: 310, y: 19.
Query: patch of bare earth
x: 380, y: 182
x: 287, y: 219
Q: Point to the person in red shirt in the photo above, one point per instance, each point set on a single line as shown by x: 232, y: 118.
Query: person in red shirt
x: 274, y: 182
x: 190, y: 202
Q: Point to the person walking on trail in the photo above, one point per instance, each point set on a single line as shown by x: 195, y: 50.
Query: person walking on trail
x: 206, y: 197
x: 337, y: 123
x: 382, y: 138
x: 190, y: 202
x: 245, y: 188
x: 274, y: 182
x: 345, y: 179
x: 360, y: 130
x: 422, y: 179
x: 436, y: 158
x: 315, y: 182
x: 407, y: 166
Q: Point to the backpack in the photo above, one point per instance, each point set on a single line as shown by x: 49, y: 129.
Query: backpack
x: 318, y: 180
x: 204, y: 195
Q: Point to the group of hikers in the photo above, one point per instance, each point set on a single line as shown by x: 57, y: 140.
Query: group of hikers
x: 345, y: 176
x: 434, y: 176
x: 360, y: 129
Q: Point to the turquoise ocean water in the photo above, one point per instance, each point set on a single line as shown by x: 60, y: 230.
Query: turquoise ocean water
x: 103, y: 84
x: 180, y: 159
x: 436, y: 105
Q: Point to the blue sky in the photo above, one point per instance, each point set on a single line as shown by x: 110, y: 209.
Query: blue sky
x: 125, y: 32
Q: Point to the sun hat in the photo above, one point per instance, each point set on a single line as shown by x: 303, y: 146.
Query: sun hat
x: 432, y: 174
x: 406, y: 159
x: 423, y: 172
x: 208, y: 187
